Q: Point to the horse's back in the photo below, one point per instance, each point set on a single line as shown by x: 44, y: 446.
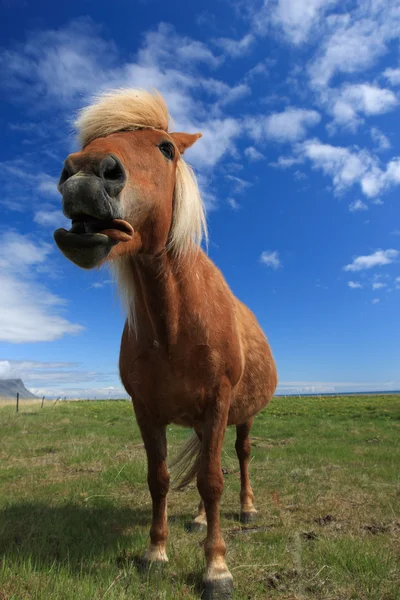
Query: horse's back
x: 259, y: 378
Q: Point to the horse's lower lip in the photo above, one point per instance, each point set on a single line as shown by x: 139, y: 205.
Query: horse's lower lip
x: 89, y: 241
x: 82, y: 240
x: 87, y: 250
x: 116, y: 229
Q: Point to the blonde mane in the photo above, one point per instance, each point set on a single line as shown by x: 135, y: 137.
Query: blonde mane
x: 131, y: 109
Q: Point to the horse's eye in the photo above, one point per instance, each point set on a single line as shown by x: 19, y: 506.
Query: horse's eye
x: 167, y: 149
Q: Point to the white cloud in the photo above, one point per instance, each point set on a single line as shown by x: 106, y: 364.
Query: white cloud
x: 345, y: 166
x: 236, y: 48
x: 296, y: 18
x: 50, y: 218
x: 378, y: 180
x: 369, y: 99
x: 380, y: 139
x: 357, y: 205
x: 253, y: 154
x: 354, y: 285
x: 378, y: 285
x: 271, y: 259
x: 290, y: 125
x: 375, y: 300
x: 377, y: 259
x: 355, y: 99
x: 393, y: 75
x: 48, y: 185
x: 353, y: 41
x: 28, y: 311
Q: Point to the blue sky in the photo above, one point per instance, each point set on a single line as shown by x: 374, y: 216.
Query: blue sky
x: 299, y: 165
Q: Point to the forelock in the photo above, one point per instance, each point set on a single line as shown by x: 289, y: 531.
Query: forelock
x: 121, y: 110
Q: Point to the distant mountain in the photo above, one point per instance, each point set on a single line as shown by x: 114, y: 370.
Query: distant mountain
x: 10, y: 387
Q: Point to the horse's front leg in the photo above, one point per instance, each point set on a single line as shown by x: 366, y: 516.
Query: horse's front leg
x: 155, y: 442
x: 217, y: 579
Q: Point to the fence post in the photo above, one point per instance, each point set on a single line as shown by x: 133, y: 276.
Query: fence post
x: 42, y: 402
x: 17, y: 401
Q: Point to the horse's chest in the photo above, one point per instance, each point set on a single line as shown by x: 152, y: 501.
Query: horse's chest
x: 173, y: 385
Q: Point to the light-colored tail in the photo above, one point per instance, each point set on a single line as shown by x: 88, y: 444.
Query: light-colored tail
x: 184, y: 467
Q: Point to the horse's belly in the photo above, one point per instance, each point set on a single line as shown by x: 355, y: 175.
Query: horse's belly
x: 254, y: 391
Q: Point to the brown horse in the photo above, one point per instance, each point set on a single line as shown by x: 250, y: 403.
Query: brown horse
x: 191, y: 353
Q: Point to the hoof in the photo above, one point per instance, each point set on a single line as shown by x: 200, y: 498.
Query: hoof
x: 218, y: 589
x: 196, y: 526
x: 146, y: 565
x: 248, y: 517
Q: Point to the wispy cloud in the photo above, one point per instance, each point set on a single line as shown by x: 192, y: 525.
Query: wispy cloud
x: 377, y: 259
x: 354, y: 285
x: 239, y: 184
x: 357, y: 206
x: 271, y: 259
x: 236, y: 48
x: 233, y: 204
x: 253, y: 154
x: 378, y: 285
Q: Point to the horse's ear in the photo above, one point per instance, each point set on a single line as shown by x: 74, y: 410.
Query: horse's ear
x: 183, y: 141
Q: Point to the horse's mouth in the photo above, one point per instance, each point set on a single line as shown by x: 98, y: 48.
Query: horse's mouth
x: 90, y: 240
x: 116, y: 229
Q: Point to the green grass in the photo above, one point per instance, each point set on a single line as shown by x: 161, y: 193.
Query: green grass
x: 75, y: 510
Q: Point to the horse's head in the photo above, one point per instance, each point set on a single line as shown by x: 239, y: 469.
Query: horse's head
x: 128, y: 190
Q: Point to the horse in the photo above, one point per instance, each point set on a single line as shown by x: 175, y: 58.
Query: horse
x: 191, y: 353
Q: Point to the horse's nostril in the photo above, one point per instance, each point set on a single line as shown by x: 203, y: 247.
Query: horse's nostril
x: 112, y: 170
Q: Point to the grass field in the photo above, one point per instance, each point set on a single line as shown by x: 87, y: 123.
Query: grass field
x: 75, y: 510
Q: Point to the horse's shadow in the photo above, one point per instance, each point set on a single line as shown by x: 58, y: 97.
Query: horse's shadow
x: 70, y: 534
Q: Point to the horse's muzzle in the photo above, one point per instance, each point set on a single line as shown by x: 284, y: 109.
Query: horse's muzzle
x: 97, y: 223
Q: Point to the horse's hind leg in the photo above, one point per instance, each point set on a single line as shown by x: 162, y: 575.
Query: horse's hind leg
x: 247, y: 509
x: 199, y: 523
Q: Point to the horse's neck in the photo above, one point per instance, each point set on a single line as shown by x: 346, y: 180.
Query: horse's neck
x: 156, y: 291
